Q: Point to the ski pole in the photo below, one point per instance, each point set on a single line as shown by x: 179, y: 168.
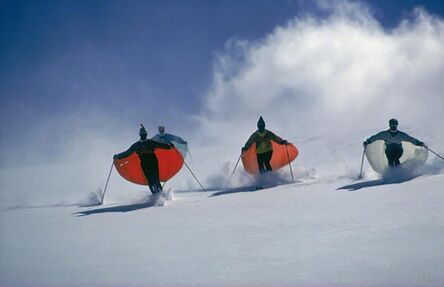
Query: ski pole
x: 362, y: 163
x: 106, y: 185
x: 194, y: 175
x: 434, y: 153
x: 289, y: 163
x: 191, y: 158
x: 235, y: 167
x: 185, y: 163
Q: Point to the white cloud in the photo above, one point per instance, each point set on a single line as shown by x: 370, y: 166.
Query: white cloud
x: 343, y: 74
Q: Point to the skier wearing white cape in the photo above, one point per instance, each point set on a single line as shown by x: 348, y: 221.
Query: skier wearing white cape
x: 393, y: 139
x: 178, y: 142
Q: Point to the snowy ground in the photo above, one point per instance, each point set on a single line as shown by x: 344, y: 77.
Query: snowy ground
x: 315, y: 232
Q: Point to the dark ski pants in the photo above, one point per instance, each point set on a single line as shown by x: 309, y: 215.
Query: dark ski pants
x: 150, y: 167
x: 393, y: 153
x: 263, y: 161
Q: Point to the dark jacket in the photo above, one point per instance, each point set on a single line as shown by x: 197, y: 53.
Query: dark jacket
x: 393, y: 138
x: 143, y: 148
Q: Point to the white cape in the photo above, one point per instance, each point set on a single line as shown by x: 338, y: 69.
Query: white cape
x: 411, y: 157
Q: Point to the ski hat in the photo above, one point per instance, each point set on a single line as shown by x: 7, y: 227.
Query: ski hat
x: 142, y: 130
x: 261, y: 122
x: 161, y: 129
x: 393, y: 123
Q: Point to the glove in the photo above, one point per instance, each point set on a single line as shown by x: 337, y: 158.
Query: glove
x: 243, y: 149
x: 419, y: 143
x: 284, y: 142
x: 115, y: 157
x: 365, y: 144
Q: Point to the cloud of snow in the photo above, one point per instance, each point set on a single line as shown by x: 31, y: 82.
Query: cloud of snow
x: 326, y: 85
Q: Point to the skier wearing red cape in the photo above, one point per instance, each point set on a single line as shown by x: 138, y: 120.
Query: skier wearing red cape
x: 263, y: 139
x: 145, y: 148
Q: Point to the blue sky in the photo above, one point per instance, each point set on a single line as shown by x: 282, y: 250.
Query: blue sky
x: 130, y: 61
x: 140, y: 48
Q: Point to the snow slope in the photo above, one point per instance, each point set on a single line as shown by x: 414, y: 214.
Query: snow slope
x: 323, y: 84
x: 315, y: 232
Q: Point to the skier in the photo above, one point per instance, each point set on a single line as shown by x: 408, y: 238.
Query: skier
x: 163, y: 137
x: 166, y: 138
x: 148, y: 159
x: 264, y: 149
x: 393, y: 139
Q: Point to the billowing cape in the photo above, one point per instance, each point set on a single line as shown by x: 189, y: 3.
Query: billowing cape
x: 412, y: 156
x: 279, y: 159
x: 170, y: 162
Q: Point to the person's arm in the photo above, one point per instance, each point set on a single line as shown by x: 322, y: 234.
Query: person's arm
x: 251, y: 140
x: 181, y: 140
x: 126, y: 153
x: 275, y: 138
x: 162, y: 145
x: 177, y: 139
x: 379, y: 136
x: 405, y: 137
x: 373, y: 138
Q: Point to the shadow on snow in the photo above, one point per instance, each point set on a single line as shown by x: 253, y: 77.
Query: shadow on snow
x: 235, y: 190
x: 120, y: 208
x: 247, y: 189
x: 398, y: 175
x: 375, y: 182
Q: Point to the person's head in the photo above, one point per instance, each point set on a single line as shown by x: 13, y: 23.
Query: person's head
x: 261, y: 124
x: 161, y: 130
x: 142, y: 132
x: 393, y: 124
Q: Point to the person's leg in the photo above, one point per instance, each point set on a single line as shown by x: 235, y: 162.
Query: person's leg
x: 150, y: 168
x: 153, y: 174
x: 397, y: 153
x: 156, y: 173
x: 267, y: 159
x: 260, y: 162
x: 145, y: 164
x: 389, y: 157
x: 389, y: 154
x: 393, y: 153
